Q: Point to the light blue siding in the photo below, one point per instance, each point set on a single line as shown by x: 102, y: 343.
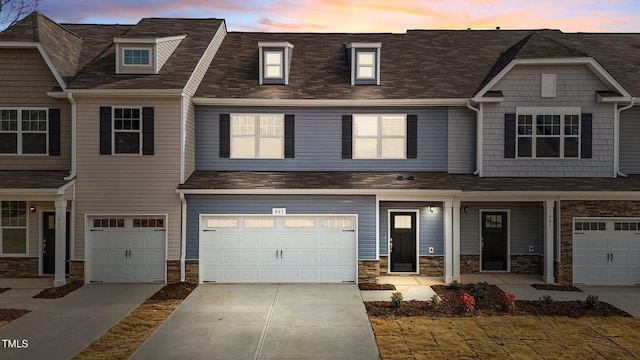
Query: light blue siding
x: 576, y: 87
x: 318, y: 141
x: 363, y: 206
x: 461, y: 154
x: 429, y: 224
x: 526, y: 226
x: 629, y: 144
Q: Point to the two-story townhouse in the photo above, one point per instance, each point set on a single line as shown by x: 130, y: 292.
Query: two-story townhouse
x: 127, y: 117
x: 343, y: 157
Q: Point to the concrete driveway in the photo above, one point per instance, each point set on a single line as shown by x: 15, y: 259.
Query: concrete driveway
x: 625, y: 298
x: 60, y: 328
x: 265, y: 321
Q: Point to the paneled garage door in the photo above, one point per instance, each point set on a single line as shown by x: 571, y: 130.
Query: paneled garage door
x: 127, y: 249
x: 278, y: 248
x: 606, y: 252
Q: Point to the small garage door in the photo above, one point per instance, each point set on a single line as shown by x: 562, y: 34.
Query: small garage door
x: 606, y: 252
x: 278, y: 248
x: 127, y: 249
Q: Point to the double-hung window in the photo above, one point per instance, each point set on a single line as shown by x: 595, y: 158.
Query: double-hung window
x: 127, y: 130
x: 13, y: 227
x: 365, y: 65
x: 274, y: 64
x: 548, y: 133
x: 379, y: 136
x: 23, y: 131
x: 257, y: 136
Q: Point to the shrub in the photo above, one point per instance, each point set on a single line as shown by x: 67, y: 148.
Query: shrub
x: 591, y: 301
x: 509, y: 300
x: 546, y: 300
x: 455, y: 285
x: 468, y: 302
x: 480, y: 290
x: 435, y: 300
x: 396, y: 299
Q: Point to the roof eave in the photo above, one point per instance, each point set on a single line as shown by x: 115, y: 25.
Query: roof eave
x: 328, y: 102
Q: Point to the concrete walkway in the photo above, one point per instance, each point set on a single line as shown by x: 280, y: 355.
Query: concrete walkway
x: 20, y: 295
x: 265, y: 321
x: 61, y: 328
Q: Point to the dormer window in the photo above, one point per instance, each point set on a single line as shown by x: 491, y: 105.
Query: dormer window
x: 275, y: 60
x: 364, y: 59
x: 144, y: 55
x: 136, y: 57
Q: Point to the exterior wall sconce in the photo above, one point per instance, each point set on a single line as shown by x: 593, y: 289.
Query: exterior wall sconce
x: 32, y: 209
x: 430, y: 208
x: 465, y: 209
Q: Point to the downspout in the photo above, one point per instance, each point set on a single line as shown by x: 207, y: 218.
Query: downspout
x: 72, y: 174
x: 183, y: 238
x: 616, y: 149
x: 479, y: 121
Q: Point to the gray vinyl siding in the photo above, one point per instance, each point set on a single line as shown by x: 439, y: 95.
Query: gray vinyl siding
x: 629, y: 144
x: 526, y: 222
x: 576, y: 87
x: 429, y: 225
x: 461, y: 154
x: 165, y: 49
x: 318, y: 141
x: 25, y: 80
x: 363, y: 206
x: 189, y: 108
x: 129, y: 184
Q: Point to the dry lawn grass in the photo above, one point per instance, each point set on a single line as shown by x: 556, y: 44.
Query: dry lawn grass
x: 507, y: 337
x: 126, y: 336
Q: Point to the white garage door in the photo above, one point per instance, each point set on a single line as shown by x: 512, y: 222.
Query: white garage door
x: 278, y: 248
x: 127, y: 249
x: 606, y: 252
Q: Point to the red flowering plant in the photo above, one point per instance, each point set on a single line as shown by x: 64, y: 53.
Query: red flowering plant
x: 509, y: 300
x: 468, y: 301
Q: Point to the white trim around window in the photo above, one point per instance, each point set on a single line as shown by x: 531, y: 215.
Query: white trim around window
x: 30, y: 126
x: 139, y: 56
x: 548, y: 132
x: 126, y: 123
x: 381, y: 136
x: 257, y: 136
x: 14, y: 221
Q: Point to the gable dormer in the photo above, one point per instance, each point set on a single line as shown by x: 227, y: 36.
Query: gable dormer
x: 274, y: 62
x: 144, y: 55
x: 364, y: 60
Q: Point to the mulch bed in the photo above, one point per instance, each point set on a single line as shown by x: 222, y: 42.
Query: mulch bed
x: 4, y: 289
x: 9, y: 315
x: 58, y: 292
x: 175, y: 291
x: 491, y: 305
x: 371, y: 286
x: 556, y: 287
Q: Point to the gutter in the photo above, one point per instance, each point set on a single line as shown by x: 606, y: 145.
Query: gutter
x: 183, y: 238
x: 479, y: 124
x: 616, y: 140
x: 74, y: 142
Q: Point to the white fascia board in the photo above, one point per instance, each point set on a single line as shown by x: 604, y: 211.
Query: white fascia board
x: 548, y: 195
x: 281, y: 44
x: 328, y: 102
x: 613, y: 99
x: 375, y: 45
x: 147, y: 40
x: 66, y: 186
x: 117, y: 92
x: 43, y: 53
x: 588, y: 61
x: 381, y: 192
x: 487, y: 99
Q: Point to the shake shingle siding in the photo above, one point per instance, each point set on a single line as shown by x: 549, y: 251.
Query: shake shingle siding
x: 629, y: 144
x: 363, y: 206
x: 576, y: 87
x: 318, y: 141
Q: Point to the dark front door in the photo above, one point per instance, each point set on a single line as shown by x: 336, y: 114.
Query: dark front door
x: 494, y: 241
x: 49, y: 243
x: 403, y: 242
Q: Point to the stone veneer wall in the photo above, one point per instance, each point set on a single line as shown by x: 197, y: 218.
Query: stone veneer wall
x: 370, y: 270
x: 585, y: 208
x: 76, y: 270
x: 520, y: 264
x: 469, y: 264
x: 16, y: 267
x: 190, y: 272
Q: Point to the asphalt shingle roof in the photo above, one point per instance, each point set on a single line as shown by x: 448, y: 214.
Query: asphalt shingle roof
x: 12, y: 179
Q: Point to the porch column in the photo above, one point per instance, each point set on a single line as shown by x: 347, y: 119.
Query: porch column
x: 456, y: 240
x: 548, y: 242
x: 61, y: 247
x: 448, y: 241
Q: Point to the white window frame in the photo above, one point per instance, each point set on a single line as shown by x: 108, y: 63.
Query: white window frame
x: 257, y: 135
x: 114, y: 130
x: 379, y: 137
x: 148, y: 50
x: 25, y: 227
x: 19, y: 132
x: 280, y: 64
x: 562, y: 112
x: 373, y: 66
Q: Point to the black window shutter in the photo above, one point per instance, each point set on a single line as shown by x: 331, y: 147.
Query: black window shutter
x: 54, y: 132
x: 147, y: 131
x: 225, y: 136
x: 289, y: 136
x: 105, y: 130
x: 412, y: 136
x: 586, y: 136
x: 510, y: 135
x: 347, y: 136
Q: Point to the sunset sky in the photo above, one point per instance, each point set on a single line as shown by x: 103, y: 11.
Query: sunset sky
x: 364, y: 15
